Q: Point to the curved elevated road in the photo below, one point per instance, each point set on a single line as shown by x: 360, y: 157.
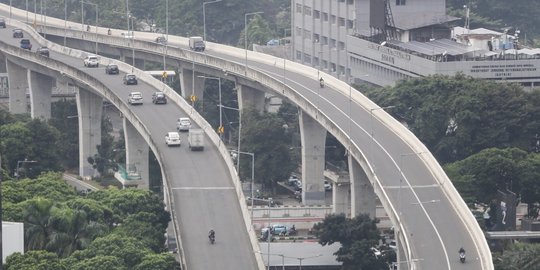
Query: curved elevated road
x: 434, y: 220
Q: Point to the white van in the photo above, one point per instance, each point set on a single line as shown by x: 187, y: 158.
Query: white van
x: 173, y: 139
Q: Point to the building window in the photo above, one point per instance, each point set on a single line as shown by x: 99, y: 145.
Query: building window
x: 307, y: 34
x: 307, y: 58
x: 341, y: 45
x: 341, y: 70
x: 316, y: 38
x: 333, y: 67
x: 333, y: 19
x: 350, y: 2
x: 307, y: 10
x: 298, y: 31
x: 325, y: 16
x: 316, y: 14
x: 324, y: 40
x: 332, y: 43
x: 298, y: 8
x: 298, y: 55
x: 350, y: 24
x: 400, y: 2
x: 316, y: 61
x: 324, y: 64
x: 341, y: 21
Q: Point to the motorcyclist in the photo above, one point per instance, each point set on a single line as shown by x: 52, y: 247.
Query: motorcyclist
x: 109, y: 32
x: 462, y: 255
x: 212, y: 234
x: 461, y: 250
x: 321, y: 81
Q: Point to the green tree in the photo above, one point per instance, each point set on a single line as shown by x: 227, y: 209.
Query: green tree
x: 62, y: 118
x: 519, y: 256
x: 142, y: 226
x: 162, y: 261
x: 264, y: 135
x: 37, y: 223
x: 100, y: 262
x: 48, y: 185
x: 357, y: 237
x: 258, y: 32
x: 34, y: 260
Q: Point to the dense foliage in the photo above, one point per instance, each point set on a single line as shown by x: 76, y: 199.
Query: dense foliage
x: 459, y: 116
x: 357, y: 237
x: 108, y: 229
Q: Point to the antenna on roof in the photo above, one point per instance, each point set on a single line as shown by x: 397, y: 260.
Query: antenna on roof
x: 467, y: 16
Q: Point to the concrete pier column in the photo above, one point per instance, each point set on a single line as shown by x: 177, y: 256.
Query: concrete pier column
x: 40, y: 94
x: 4, y: 90
x: 136, y: 155
x: 313, y: 137
x: 341, y: 198
x: 363, y: 198
x: 18, y: 83
x: 190, y: 86
x: 250, y: 97
x: 89, y: 108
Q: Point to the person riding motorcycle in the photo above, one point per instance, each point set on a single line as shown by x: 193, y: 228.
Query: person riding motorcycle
x: 321, y: 81
x: 462, y: 254
x: 212, y: 236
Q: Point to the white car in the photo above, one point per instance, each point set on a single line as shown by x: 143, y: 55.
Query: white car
x: 135, y: 98
x: 91, y: 61
x: 172, y: 139
x: 327, y: 186
x: 183, y: 124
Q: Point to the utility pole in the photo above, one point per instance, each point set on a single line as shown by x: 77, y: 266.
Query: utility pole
x: 1, y: 217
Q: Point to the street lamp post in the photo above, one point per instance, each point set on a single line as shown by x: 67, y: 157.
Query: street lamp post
x: 239, y: 134
x: 269, y: 237
x: 303, y: 258
x: 245, y: 33
x: 19, y: 162
x: 252, y: 176
x: 220, y: 128
x: 204, y: 16
x: 97, y: 22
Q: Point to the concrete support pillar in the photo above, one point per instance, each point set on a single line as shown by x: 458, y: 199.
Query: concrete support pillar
x: 341, y: 198
x: 4, y: 90
x: 136, y: 154
x: 250, y: 97
x: 40, y: 94
x: 190, y: 86
x: 89, y: 108
x: 313, y: 137
x: 363, y: 198
x: 18, y: 83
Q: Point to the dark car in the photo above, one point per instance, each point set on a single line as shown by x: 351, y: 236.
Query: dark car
x: 2, y: 22
x: 130, y: 79
x: 25, y: 44
x: 43, y: 51
x: 18, y: 33
x: 111, y: 69
x: 161, y: 40
x: 159, y: 98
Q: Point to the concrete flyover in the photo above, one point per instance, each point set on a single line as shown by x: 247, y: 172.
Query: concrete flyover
x: 195, y: 182
x: 431, y: 219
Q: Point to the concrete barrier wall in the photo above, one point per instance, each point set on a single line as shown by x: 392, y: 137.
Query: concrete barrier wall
x: 332, y: 83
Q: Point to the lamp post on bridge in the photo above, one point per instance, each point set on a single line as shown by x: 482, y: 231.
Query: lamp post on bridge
x: 269, y: 237
x: 239, y: 134
x: 220, y: 128
x: 97, y: 21
x: 252, y: 176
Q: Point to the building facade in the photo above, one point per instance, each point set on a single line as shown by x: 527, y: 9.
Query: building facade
x: 365, y: 40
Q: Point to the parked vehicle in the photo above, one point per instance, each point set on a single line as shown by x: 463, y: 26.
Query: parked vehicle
x: 112, y: 69
x: 172, y: 139
x: 161, y: 40
x: 196, y: 139
x: 292, y: 180
x: 327, y: 186
x: 159, y: 98
x: 130, y: 79
x: 128, y: 34
x: 43, y: 51
x: 197, y: 44
x: 135, y: 98
x: 91, y: 61
x: 25, y: 44
x: 183, y: 124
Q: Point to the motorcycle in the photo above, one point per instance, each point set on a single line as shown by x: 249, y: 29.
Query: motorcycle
x: 462, y: 257
x: 212, y: 239
x: 321, y: 82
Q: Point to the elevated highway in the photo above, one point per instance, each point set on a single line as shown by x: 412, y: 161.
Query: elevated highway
x: 431, y: 219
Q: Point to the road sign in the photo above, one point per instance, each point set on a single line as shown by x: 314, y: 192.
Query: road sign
x: 193, y: 98
x: 221, y: 130
x: 164, y: 75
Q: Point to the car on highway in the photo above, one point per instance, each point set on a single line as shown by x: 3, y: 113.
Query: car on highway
x: 135, y: 98
x: 2, y: 22
x: 183, y: 124
x: 292, y: 180
x: 161, y: 40
x: 43, y: 51
x: 112, y: 69
x: 130, y: 79
x: 159, y: 98
x: 327, y: 186
x: 91, y: 61
x: 18, y: 33
x: 25, y: 44
x: 173, y: 139
x: 276, y: 229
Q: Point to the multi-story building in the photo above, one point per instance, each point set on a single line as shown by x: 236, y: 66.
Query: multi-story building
x: 383, y: 41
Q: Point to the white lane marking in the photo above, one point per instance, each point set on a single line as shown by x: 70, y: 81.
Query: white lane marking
x: 414, y: 186
x: 202, y: 188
